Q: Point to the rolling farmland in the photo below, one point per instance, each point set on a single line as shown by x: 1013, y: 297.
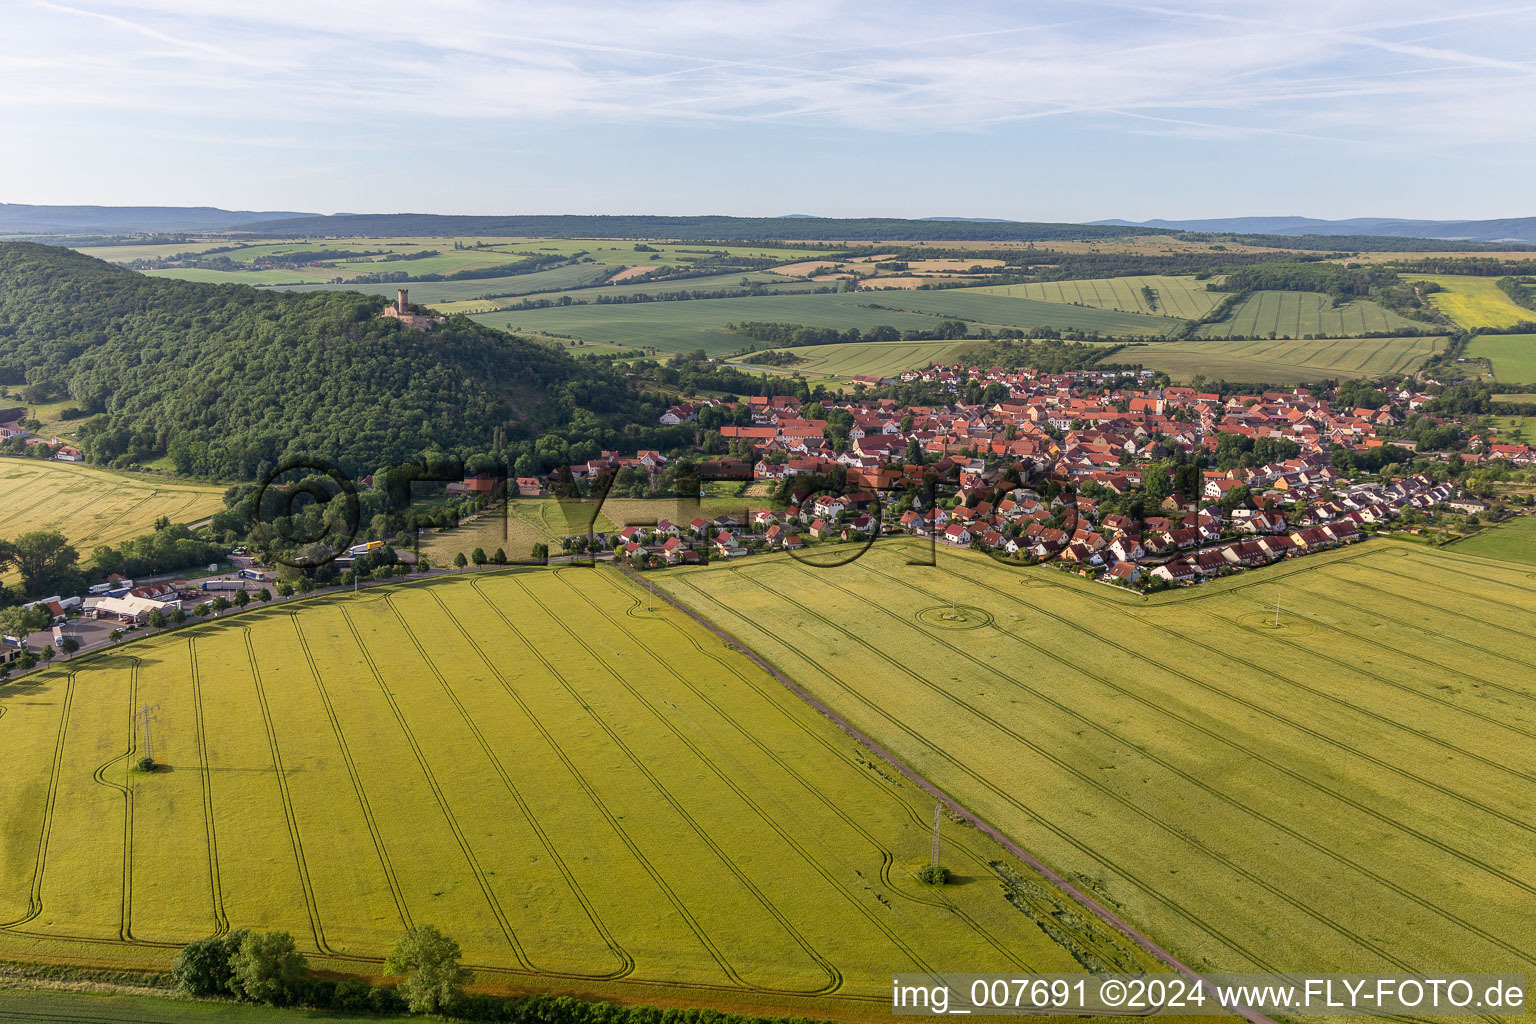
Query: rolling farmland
x: 878, y: 358
x: 1473, y: 301
x: 92, y: 507
x: 1297, y: 314
x: 1512, y: 356
x: 701, y: 323
x: 1353, y: 790
x: 1283, y: 362
x: 1182, y: 297
x: 506, y: 756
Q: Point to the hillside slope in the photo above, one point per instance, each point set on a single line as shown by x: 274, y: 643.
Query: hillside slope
x: 226, y: 378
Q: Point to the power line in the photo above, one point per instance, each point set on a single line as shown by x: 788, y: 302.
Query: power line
x: 146, y: 717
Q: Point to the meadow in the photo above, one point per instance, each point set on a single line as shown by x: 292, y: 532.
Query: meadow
x: 92, y: 507
x: 1283, y: 361
x: 1512, y: 541
x: 880, y: 359
x: 701, y: 323
x: 1473, y: 301
x: 1512, y: 356
x: 1353, y: 790
x: 1182, y: 297
x: 1297, y: 314
x: 589, y: 794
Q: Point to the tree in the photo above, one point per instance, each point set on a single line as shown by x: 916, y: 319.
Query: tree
x: 46, y: 561
x: 459, y: 560
x: 264, y: 595
x: 266, y: 967
x: 156, y: 619
x: 478, y: 556
x: 69, y: 645
x: 285, y: 590
x: 429, y: 962
x: 500, y: 557
x: 220, y: 603
x: 178, y: 616
x: 242, y: 599
x: 540, y: 551
x: 18, y: 622
x: 202, y: 968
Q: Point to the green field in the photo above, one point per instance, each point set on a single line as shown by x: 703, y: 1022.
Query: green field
x: 1297, y: 314
x: 1514, y: 541
x: 878, y: 358
x: 685, y: 326
x: 1512, y: 356
x: 1283, y: 362
x: 92, y: 507
x: 1354, y: 790
x: 1473, y: 301
x: 61, y: 1006
x: 588, y: 795
x: 1182, y: 297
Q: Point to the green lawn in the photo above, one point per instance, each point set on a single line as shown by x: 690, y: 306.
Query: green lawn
x: 1514, y: 541
x: 1513, y: 356
x: 1297, y: 314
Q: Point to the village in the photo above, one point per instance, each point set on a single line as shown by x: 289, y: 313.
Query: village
x: 1046, y: 474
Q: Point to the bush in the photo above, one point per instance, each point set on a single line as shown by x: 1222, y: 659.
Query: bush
x: 145, y: 764
x: 266, y: 968
x: 933, y: 874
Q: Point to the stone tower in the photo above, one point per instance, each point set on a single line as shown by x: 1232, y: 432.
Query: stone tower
x: 400, y: 306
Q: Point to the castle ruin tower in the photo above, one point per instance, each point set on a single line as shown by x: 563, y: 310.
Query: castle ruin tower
x: 400, y: 301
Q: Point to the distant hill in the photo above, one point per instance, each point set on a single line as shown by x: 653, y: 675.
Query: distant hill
x: 747, y: 229
x: 21, y: 219
x: 229, y: 378
x: 1508, y: 229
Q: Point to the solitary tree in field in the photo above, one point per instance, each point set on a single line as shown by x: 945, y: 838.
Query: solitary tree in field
x: 429, y: 962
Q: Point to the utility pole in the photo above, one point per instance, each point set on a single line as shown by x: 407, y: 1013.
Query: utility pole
x: 146, y: 717
x: 937, y: 810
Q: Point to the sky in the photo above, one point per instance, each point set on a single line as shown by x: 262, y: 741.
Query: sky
x: 1023, y: 110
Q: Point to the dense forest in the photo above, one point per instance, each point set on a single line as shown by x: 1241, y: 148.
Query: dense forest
x: 228, y: 379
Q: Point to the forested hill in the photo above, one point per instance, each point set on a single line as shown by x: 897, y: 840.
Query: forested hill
x: 228, y: 378
x: 689, y: 229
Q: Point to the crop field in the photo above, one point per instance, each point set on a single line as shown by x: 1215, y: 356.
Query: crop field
x: 1473, y: 301
x: 1182, y: 297
x: 510, y: 757
x: 1514, y: 541
x: 1297, y: 314
x: 1512, y: 356
x: 685, y: 326
x: 877, y: 358
x: 1353, y: 790
x: 1284, y: 361
x: 92, y: 507
x: 585, y: 292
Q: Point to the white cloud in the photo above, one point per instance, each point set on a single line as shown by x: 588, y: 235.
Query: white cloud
x: 1385, y: 73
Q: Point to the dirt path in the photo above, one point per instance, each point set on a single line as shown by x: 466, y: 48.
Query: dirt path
x: 1100, y: 911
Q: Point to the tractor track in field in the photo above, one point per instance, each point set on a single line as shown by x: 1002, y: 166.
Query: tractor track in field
x: 626, y: 963
x: 1076, y: 894
x: 385, y: 864
x: 904, y: 808
x: 672, y: 897
x: 834, y: 975
x: 215, y: 881
x: 1523, y: 610
x: 45, y: 833
x: 1445, y: 637
x: 1177, y: 833
x: 290, y: 816
x: 1237, y: 804
x: 1371, y: 812
x: 762, y: 814
x: 481, y: 878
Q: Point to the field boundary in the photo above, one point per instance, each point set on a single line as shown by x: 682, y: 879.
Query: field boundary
x: 1096, y: 908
